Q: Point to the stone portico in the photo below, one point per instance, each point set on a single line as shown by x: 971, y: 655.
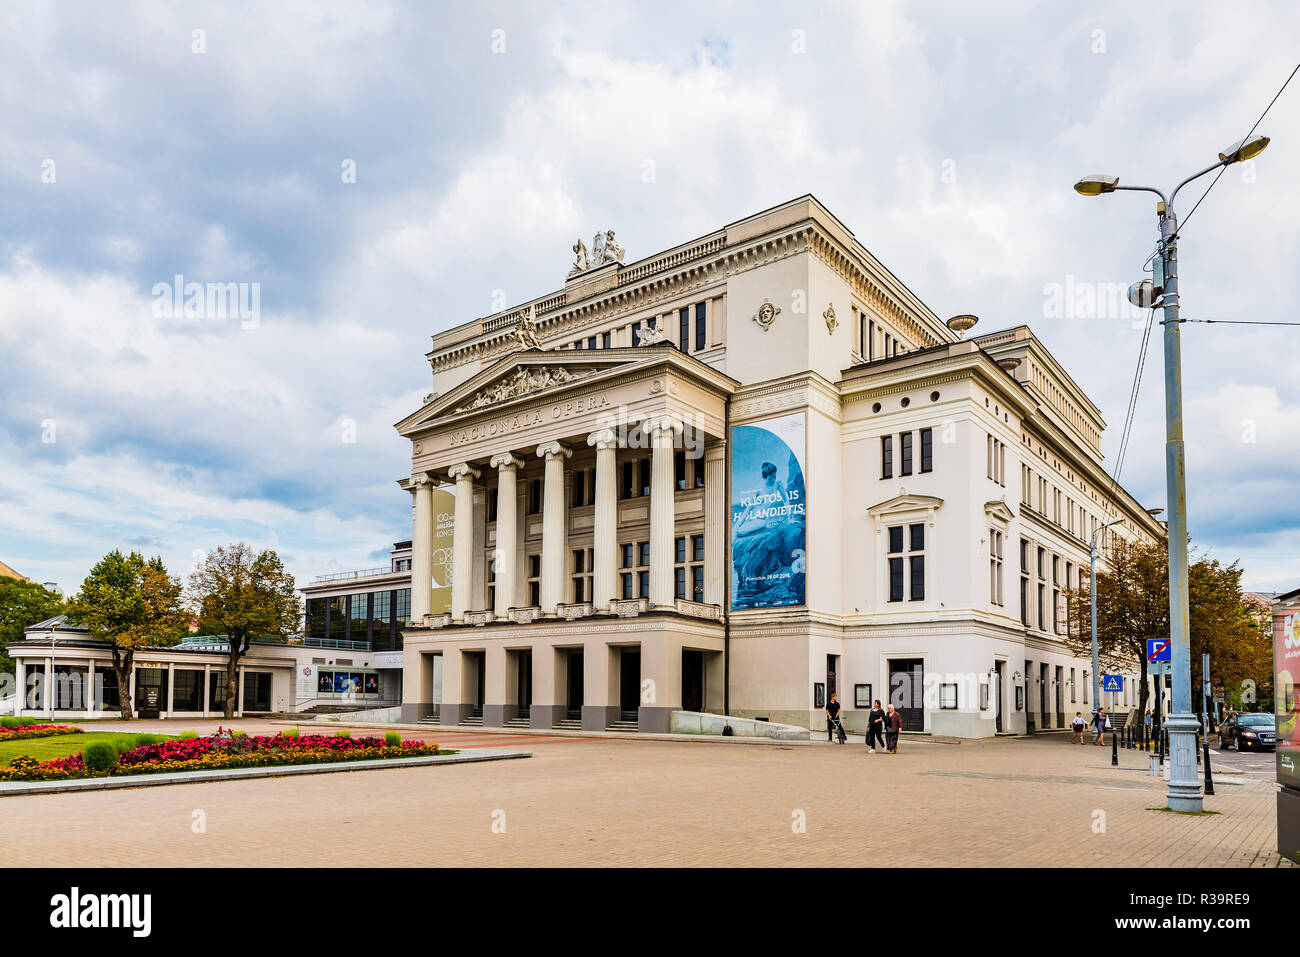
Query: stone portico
x: 590, y: 494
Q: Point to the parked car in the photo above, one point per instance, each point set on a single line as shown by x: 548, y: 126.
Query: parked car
x: 1241, y: 732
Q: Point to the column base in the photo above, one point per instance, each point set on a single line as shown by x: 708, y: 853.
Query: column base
x: 598, y: 717
x: 656, y: 720
x: 452, y: 714
x: 494, y: 715
x: 545, y: 716
x: 1184, y: 783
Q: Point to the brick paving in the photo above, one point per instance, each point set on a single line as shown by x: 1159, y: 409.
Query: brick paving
x: 587, y: 801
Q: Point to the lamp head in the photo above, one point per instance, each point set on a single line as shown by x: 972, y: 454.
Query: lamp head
x: 1096, y: 184
x: 1243, y: 150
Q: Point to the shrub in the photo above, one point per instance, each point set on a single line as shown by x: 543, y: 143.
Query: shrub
x: 99, y: 756
x: 342, y: 734
x: 289, y: 733
x: 124, y: 743
x: 143, y: 740
x: 239, y: 734
x: 187, y: 735
x: 392, y: 739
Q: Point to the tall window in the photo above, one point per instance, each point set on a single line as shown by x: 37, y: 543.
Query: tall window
x: 534, y: 496
x: 606, y: 340
x: 684, y: 329
x: 905, y: 449
x: 403, y: 611
x: 995, y: 566
x: 927, y: 450
x: 688, y: 568
x: 997, y: 461
x: 491, y: 581
x: 906, y: 564
x: 581, y: 577
x: 1024, y: 583
x: 582, y: 488
x: 492, y: 498
x: 534, y: 580
x: 634, y: 478
x: 635, y: 573
x: 886, y: 456
x: 701, y: 326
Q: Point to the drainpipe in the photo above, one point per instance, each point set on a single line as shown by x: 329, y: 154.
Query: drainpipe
x: 726, y: 565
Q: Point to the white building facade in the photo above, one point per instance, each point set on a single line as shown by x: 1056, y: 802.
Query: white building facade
x: 741, y: 475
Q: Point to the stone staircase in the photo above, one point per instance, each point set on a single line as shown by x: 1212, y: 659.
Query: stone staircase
x: 627, y: 721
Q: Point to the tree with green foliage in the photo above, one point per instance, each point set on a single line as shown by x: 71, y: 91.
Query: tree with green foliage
x: 243, y: 595
x: 131, y: 603
x: 22, y: 604
x: 1133, y: 605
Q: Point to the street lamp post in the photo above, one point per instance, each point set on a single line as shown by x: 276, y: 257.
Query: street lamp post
x: 1184, y: 785
x: 1092, y: 582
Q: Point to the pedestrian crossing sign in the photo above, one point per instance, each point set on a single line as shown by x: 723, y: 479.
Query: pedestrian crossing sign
x: 1112, y: 683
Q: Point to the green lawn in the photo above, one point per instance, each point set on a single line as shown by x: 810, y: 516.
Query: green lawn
x: 44, y: 749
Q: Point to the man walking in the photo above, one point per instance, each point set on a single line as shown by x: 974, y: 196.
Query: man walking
x: 833, y: 719
x: 894, y: 723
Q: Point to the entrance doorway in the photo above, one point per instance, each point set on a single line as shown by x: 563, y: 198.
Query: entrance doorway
x: 832, y: 684
x: 997, y: 715
x: 1060, y: 696
x: 692, y: 680
x: 907, y: 691
x: 475, y: 681
x: 523, y: 683
x: 629, y: 684
x: 1042, y: 697
x: 573, y: 698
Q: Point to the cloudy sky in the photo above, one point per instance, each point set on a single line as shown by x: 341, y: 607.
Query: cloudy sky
x: 218, y: 143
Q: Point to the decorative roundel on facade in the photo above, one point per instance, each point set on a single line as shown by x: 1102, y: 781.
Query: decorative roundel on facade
x: 656, y: 386
x: 906, y: 402
x: 419, y: 447
x: 934, y: 396
x: 306, y: 671
x: 875, y: 407
x: 766, y: 314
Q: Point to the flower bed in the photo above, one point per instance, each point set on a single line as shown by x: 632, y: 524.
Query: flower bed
x: 218, y: 752
x: 24, y: 731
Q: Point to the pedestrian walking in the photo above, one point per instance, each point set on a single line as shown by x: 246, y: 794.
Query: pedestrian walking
x: 1079, y: 726
x: 894, y: 722
x: 833, y: 719
x: 1099, y: 727
x: 875, y: 727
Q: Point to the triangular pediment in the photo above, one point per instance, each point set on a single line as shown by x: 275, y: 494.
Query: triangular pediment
x: 999, y: 509
x: 905, y: 502
x: 525, y: 375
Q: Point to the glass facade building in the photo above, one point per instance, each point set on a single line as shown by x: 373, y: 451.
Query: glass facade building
x: 374, y: 618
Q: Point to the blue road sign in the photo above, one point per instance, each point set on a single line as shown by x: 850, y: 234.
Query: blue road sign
x: 1160, y: 649
x: 1112, y: 683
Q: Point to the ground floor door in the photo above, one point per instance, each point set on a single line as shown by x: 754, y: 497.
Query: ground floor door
x: 1043, y: 719
x: 573, y: 699
x: 629, y: 685
x: 1060, y: 696
x: 476, y: 660
x: 692, y: 680
x: 997, y: 691
x: 832, y: 683
x: 907, y: 691
x: 524, y: 683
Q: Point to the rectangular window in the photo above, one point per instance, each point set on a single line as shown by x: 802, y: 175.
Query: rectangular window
x: 895, y: 579
x: 187, y: 690
x: 905, y: 449
x: 534, y: 580
x: 591, y: 342
x: 635, y: 570
x: 606, y: 340
x: 492, y: 504
x: 688, y: 571
x: 257, y: 691
x: 913, y: 567
x: 578, y: 488
x: 701, y: 326
x: 886, y: 456
x: 871, y: 338
x: 918, y: 577
x: 403, y: 612
x: 679, y: 470
x: 684, y: 329
x: 534, y: 496
x: 1042, y: 598
x: 927, y: 450
x: 995, y: 567
x: 643, y: 476
x: 581, y: 578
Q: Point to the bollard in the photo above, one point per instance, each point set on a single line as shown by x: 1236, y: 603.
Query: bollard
x: 1114, y: 751
x: 1209, y: 778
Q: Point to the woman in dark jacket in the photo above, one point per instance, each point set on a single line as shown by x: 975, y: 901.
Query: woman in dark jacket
x: 875, y: 728
x: 894, y: 724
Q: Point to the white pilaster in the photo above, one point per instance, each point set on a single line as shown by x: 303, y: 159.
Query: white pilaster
x: 507, y: 531
x: 554, y: 525
x: 662, y: 518
x: 462, y: 539
x: 422, y: 548
x: 605, y: 533
x: 715, y: 522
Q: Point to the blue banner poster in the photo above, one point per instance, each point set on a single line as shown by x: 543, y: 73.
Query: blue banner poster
x: 768, y: 513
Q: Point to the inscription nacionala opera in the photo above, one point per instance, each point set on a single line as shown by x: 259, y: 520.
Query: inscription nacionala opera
x: 506, y: 424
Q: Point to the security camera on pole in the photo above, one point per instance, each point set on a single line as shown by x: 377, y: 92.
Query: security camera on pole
x: 1184, y: 784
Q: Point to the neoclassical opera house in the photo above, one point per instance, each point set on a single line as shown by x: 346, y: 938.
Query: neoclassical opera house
x: 740, y: 475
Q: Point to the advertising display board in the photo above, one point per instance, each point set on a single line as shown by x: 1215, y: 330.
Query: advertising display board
x: 444, y: 511
x: 768, y: 513
x: 1286, y: 667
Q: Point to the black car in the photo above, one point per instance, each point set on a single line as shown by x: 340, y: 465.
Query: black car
x: 1242, y: 732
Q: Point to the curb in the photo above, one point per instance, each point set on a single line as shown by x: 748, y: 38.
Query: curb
x: 18, y: 788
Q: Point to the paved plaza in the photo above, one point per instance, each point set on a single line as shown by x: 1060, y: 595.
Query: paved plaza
x: 1017, y: 802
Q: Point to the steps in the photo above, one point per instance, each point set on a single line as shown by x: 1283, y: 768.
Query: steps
x: 627, y: 721
x: 569, y: 724
x: 518, y: 722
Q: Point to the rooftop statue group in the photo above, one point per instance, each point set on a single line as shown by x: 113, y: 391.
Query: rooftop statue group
x: 604, y: 249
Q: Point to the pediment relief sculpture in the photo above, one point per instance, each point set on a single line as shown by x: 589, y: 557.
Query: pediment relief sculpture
x: 522, y: 382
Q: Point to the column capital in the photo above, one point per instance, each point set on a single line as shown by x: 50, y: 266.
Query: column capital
x: 420, y: 480
x: 659, y: 424
x: 464, y: 468
x: 715, y: 451
x: 603, y: 439
x: 553, y: 450
x: 504, y: 461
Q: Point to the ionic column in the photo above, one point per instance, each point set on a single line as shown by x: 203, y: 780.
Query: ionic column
x: 554, y: 525
x: 662, y: 488
x: 715, y: 522
x: 507, y: 531
x: 422, y: 548
x: 604, y: 579
x: 462, y: 547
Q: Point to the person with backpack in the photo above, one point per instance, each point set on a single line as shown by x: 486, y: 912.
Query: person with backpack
x: 875, y: 727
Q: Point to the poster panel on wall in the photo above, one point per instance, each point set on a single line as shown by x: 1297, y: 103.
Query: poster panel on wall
x: 768, y: 513
x: 444, y: 511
